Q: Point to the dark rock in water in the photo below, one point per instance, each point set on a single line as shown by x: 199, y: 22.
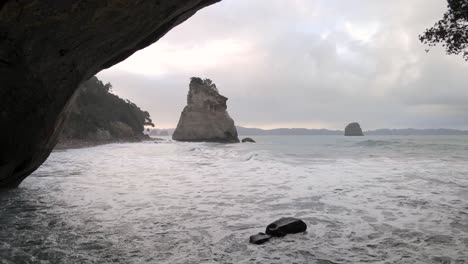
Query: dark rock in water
x: 48, y: 48
x: 353, y: 129
x: 284, y: 226
x: 259, y: 238
x: 249, y: 140
x: 279, y: 228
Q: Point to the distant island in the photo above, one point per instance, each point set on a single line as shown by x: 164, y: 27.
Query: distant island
x: 98, y: 116
x: 353, y: 130
x: 324, y: 132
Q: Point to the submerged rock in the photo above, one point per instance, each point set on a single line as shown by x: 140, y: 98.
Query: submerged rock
x: 248, y: 140
x: 259, y: 238
x: 205, y: 117
x: 353, y: 129
x: 286, y: 225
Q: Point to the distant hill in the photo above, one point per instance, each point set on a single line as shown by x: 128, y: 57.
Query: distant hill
x: 378, y: 132
x: 286, y: 131
x: 246, y: 131
x: 416, y: 132
x: 161, y: 132
x: 99, y: 116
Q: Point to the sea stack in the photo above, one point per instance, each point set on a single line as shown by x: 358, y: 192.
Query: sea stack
x: 353, y: 129
x: 205, y: 118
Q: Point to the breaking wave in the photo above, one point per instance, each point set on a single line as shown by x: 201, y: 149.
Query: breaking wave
x: 381, y: 200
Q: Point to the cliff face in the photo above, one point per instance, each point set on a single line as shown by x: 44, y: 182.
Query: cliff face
x: 205, y: 117
x: 47, y: 48
x: 353, y: 129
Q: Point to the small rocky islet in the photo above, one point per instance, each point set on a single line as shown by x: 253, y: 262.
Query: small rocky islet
x: 248, y: 140
x: 205, y: 118
x: 353, y: 129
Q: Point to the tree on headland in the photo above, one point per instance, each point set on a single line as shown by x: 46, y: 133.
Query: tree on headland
x: 451, y: 31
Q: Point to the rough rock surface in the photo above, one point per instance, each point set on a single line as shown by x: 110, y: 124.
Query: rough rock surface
x: 259, y: 238
x: 284, y: 226
x: 353, y: 129
x: 205, y: 117
x: 47, y: 48
x: 248, y: 140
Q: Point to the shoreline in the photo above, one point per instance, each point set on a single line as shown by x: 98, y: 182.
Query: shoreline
x: 80, y: 143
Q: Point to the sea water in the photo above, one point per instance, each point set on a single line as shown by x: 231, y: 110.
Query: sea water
x: 364, y: 199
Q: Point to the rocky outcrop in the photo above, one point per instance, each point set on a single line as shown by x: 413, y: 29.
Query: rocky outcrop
x: 47, y: 48
x: 205, y: 117
x: 353, y: 129
x: 248, y: 140
x: 279, y: 228
x: 284, y: 226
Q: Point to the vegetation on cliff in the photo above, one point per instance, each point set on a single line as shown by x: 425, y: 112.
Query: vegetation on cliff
x: 99, y: 115
x: 204, y: 82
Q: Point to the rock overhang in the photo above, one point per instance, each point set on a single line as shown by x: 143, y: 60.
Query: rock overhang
x: 47, y: 48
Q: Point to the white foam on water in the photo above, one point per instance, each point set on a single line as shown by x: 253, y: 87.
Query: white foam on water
x: 400, y: 200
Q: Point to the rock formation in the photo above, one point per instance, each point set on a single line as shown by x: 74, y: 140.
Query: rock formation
x: 248, y: 140
x: 353, y: 129
x: 284, y: 226
x: 205, y: 117
x: 47, y: 48
x: 279, y: 228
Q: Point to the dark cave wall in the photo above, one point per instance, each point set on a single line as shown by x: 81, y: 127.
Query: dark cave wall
x: 47, y: 48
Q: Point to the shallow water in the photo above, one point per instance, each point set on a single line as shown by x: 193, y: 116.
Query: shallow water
x: 365, y: 200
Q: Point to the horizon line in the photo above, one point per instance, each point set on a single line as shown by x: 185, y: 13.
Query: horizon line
x: 407, y: 128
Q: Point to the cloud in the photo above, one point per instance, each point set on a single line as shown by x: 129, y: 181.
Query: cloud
x: 304, y: 63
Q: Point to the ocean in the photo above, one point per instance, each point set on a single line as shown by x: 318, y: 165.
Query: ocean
x: 365, y: 200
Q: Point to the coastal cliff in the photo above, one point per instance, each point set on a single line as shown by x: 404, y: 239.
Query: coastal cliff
x: 205, y: 118
x: 98, y: 116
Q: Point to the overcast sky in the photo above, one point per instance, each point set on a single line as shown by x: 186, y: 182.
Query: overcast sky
x: 304, y: 63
